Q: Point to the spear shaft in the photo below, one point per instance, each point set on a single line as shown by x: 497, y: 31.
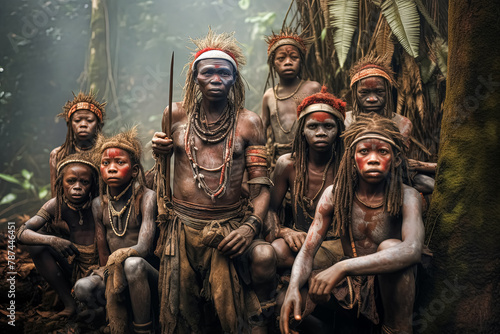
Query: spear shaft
x: 168, y: 129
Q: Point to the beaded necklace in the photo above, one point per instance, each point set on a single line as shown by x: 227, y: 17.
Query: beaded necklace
x: 277, y: 98
x: 310, y: 202
x: 113, y: 214
x: 214, y: 136
x: 117, y: 197
x: 78, y: 208
x: 217, y: 131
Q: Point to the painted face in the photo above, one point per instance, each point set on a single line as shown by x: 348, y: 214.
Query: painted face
x: 287, y: 61
x: 215, y: 77
x: 371, y: 94
x: 320, y: 130
x: 84, y: 123
x: 373, y: 159
x: 77, y: 182
x: 116, y: 168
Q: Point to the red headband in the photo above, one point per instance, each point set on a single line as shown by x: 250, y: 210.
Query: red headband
x: 202, y: 51
x: 85, y: 106
x: 370, y: 71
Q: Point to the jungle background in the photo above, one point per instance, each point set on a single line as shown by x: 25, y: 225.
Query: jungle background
x: 122, y: 49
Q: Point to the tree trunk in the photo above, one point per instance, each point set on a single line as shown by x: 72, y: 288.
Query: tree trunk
x: 97, y: 64
x: 462, y: 293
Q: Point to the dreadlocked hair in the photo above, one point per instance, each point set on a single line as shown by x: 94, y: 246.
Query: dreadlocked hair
x: 302, y: 44
x: 224, y: 42
x: 300, y: 150
x: 129, y: 142
x: 346, y: 181
x: 84, y: 159
x: 69, y: 145
x: 383, y: 63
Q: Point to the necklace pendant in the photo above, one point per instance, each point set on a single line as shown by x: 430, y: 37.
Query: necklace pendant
x: 80, y: 222
x: 117, y: 223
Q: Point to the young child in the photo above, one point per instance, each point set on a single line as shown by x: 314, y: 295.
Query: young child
x: 286, y: 57
x: 372, y: 83
x: 61, y: 234
x: 306, y: 172
x: 125, y: 228
x: 310, y: 168
x: 379, y: 220
x: 84, y: 118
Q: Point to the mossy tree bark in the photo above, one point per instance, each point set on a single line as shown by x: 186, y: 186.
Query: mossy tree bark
x: 101, y: 67
x: 464, y: 217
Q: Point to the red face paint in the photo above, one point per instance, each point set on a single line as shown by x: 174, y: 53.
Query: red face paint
x: 321, y: 116
x: 116, y: 167
x: 373, y: 160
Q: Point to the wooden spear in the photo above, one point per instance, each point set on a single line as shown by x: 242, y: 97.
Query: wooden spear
x: 168, y: 130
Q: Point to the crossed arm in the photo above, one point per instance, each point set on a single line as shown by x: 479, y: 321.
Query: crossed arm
x: 146, y: 232
x: 390, y: 259
x: 30, y: 236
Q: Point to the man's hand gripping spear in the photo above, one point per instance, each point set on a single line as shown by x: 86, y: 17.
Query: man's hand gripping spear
x: 163, y: 190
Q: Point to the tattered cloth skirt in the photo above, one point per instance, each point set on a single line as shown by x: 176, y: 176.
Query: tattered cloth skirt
x: 192, y: 274
x: 84, y: 262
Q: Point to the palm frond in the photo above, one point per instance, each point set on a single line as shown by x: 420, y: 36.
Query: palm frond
x: 427, y: 17
x: 402, y: 16
x: 344, y: 19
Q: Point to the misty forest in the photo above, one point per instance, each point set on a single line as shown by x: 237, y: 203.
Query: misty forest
x: 444, y: 54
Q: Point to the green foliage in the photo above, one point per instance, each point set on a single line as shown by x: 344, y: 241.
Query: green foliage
x: 402, y: 16
x: 46, y: 57
x: 344, y: 19
x: 26, y: 186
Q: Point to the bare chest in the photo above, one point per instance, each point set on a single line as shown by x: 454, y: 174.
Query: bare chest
x: 372, y: 226
x: 121, y: 230
x: 206, y: 154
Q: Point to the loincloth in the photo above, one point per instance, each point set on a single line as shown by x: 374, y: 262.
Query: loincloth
x: 358, y: 293
x: 84, y: 262
x: 330, y: 252
x: 192, y: 274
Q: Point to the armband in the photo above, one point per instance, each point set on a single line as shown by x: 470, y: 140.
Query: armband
x: 19, y: 232
x: 44, y: 214
x: 263, y: 180
x: 256, y: 161
x: 255, y: 223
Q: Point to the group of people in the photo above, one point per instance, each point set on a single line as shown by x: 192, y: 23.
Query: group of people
x: 268, y: 218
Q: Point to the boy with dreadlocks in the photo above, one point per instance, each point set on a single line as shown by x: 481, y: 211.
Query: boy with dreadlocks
x: 379, y: 220
x: 125, y: 228
x: 372, y: 83
x: 311, y: 167
x: 84, y: 118
x: 286, y: 54
x: 210, y: 259
x: 61, y: 234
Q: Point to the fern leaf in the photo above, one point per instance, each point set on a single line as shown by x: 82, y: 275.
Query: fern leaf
x: 402, y: 16
x: 344, y: 19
